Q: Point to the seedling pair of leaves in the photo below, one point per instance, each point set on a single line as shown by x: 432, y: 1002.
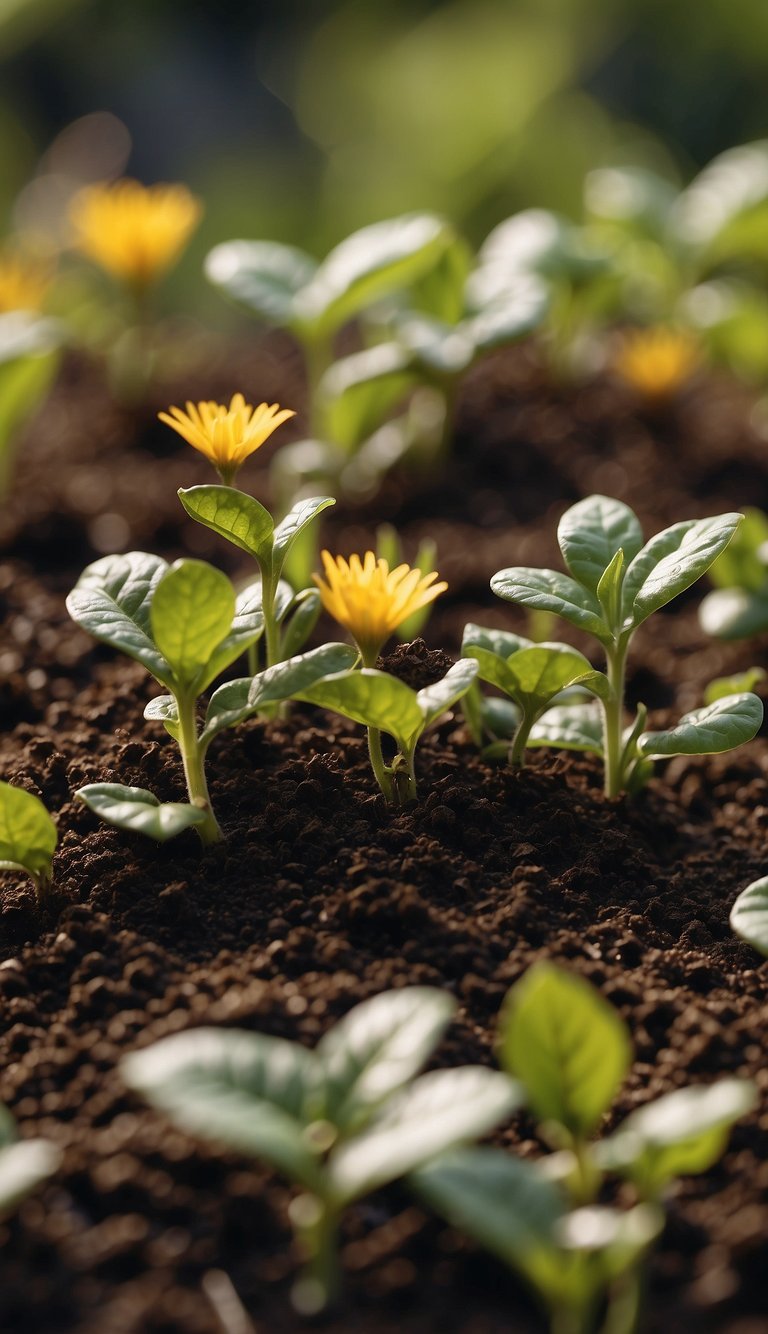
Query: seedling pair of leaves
x: 28, y: 836
x: 185, y: 624
x: 339, y: 1121
x: 571, y: 1052
x: 615, y: 582
x: 381, y: 702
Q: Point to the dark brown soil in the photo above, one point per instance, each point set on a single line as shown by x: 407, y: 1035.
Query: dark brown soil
x: 322, y: 896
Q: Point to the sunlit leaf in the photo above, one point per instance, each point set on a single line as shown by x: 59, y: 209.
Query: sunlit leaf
x: 111, y: 600
x: 672, y: 561
x: 237, y: 700
x: 592, y: 532
x: 263, y: 275
x: 570, y: 727
x: 749, y: 915
x: 28, y: 836
x: 139, y: 811
x: 234, y: 515
x: 191, y: 613
x: 728, y: 722
x: 548, y: 590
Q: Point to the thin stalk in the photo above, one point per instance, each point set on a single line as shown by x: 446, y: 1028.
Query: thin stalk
x: 625, y: 1307
x: 520, y: 741
x: 613, y: 719
x: 573, y: 1319
x: 271, y: 627
x: 193, y: 758
x: 383, y: 774
x: 316, y: 1224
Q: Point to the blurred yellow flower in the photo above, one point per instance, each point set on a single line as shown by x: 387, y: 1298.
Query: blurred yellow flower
x: 657, y: 362
x: 226, y: 435
x: 370, y: 600
x: 133, y: 231
x: 24, y: 280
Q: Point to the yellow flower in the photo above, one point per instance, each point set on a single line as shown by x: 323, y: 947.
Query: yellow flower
x: 370, y: 600
x: 657, y: 362
x: 24, y: 280
x: 226, y: 435
x: 133, y: 231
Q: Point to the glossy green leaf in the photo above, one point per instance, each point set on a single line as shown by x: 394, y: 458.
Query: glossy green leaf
x: 715, y: 212
x: 744, y: 562
x: 440, y: 291
x: 501, y: 643
x: 507, y: 1204
x: 570, y: 727
x: 568, y: 1046
x: 111, y: 600
x: 377, y: 1047
x: 28, y: 836
x: 264, y: 275
x: 360, y: 391
x: 681, y: 1134
x: 247, y: 628
x: 515, y: 312
x: 164, y: 709
x: 592, y: 532
x: 372, y: 698
x: 368, y: 265
x: 443, y: 349
x: 435, y: 700
x: 674, y: 560
x: 434, y: 1113
x: 23, y: 1165
x: 548, y: 590
x: 749, y: 915
x: 248, y: 1091
x: 294, y: 523
x: 727, y: 723
x: 733, y: 685
x: 599, y: 1244
x: 139, y: 811
x: 234, y: 515
x: 192, y: 610
x: 534, y: 676
x: 734, y: 613
x: 237, y: 700
x: 303, y: 615
x: 609, y: 590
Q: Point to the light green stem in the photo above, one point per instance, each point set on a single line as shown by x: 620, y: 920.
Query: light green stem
x: 316, y: 1224
x: 193, y: 758
x: 383, y: 775
x: 271, y: 627
x: 625, y: 1306
x: 613, y: 719
x: 520, y: 741
x: 404, y: 779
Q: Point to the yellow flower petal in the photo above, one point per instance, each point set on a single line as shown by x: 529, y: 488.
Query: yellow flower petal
x: 134, y: 232
x: 657, y: 362
x: 226, y: 435
x: 370, y: 600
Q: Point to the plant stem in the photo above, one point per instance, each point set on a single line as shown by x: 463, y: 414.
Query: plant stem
x: 316, y: 1224
x: 271, y: 628
x: 520, y: 741
x: 383, y: 775
x: 193, y: 757
x: 613, y: 718
x: 624, y: 1308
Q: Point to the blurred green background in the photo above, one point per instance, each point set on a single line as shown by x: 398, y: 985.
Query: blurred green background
x: 303, y: 119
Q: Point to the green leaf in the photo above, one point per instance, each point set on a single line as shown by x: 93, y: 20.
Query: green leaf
x: 570, y: 727
x: 304, y: 611
x: 444, y: 349
x: 295, y: 521
x: 23, y: 1165
x: 28, y: 836
x: 516, y: 311
x: 507, y: 1204
x: 192, y: 610
x: 434, y: 1113
x: 436, y: 699
x: 29, y: 360
x: 534, y: 676
x: 237, y: 700
x: 164, y: 709
x: 674, y: 560
x: 548, y: 590
x: 749, y: 915
x: 502, y: 643
x: 139, y: 811
x: 251, y: 1092
x: 717, y: 727
x: 111, y: 600
x: 377, y: 1047
x: 592, y: 532
x: 609, y: 590
x: 247, y: 628
x: 733, y: 685
x: 372, y: 698
x: 440, y: 291
x: 743, y: 564
x: 234, y: 515
x: 264, y: 275
x: 360, y: 391
x: 568, y: 1046
x: 734, y: 613
x: 369, y: 264
x: 681, y: 1134
x: 599, y: 1244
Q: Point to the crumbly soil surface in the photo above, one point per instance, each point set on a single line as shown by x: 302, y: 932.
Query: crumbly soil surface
x: 322, y: 896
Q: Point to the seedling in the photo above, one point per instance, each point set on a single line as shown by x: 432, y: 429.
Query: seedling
x: 186, y: 626
x: 738, y: 607
x: 383, y: 703
x: 24, y: 1163
x: 615, y: 584
x: 571, y: 1052
x: 28, y: 363
x: 28, y: 836
x: 244, y: 522
x: 749, y: 915
x: 339, y: 1121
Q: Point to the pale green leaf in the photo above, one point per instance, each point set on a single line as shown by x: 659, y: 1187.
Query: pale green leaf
x: 28, y: 836
x: 717, y: 727
x: 743, y: 563
x: 294, y: 523
x: 372, y: 698
x: 570, y: 727
x: 23, y: 1166
x: 192, y: 610
x: 592, y: 532
x: 434, y: 1113
x: 248, y: 1091
x: 502, y: 643
x: 247, y: 628
x: 139, y: 811
x: 360, y: 390
x: 749, y: 915
x: 232, y: 514
x: 264, y: 275
x: 164, y: 709
x: 377, y: 1047
x: 733, y: 685
x: 237, y: 700
x: 689, y: 550
x: 516, y: 311
x: 548, y: 590
x: 734, y: 613
x: 111, y: 600
x: 568, y: 1046
x: 436, y: 699
x: 304, y: 612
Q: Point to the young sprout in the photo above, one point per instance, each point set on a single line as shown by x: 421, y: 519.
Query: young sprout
x: 656, y: 363
x: 615, y: 583
x: 571, y: 1052
x: 186, y: 626
x: 28, y: 836
x: 134, y: 232
x: 24, y: 1163
x: 227, y: 436
x: 339, y: 1121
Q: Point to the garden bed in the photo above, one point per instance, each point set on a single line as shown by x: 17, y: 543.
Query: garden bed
x: 322, y: 895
